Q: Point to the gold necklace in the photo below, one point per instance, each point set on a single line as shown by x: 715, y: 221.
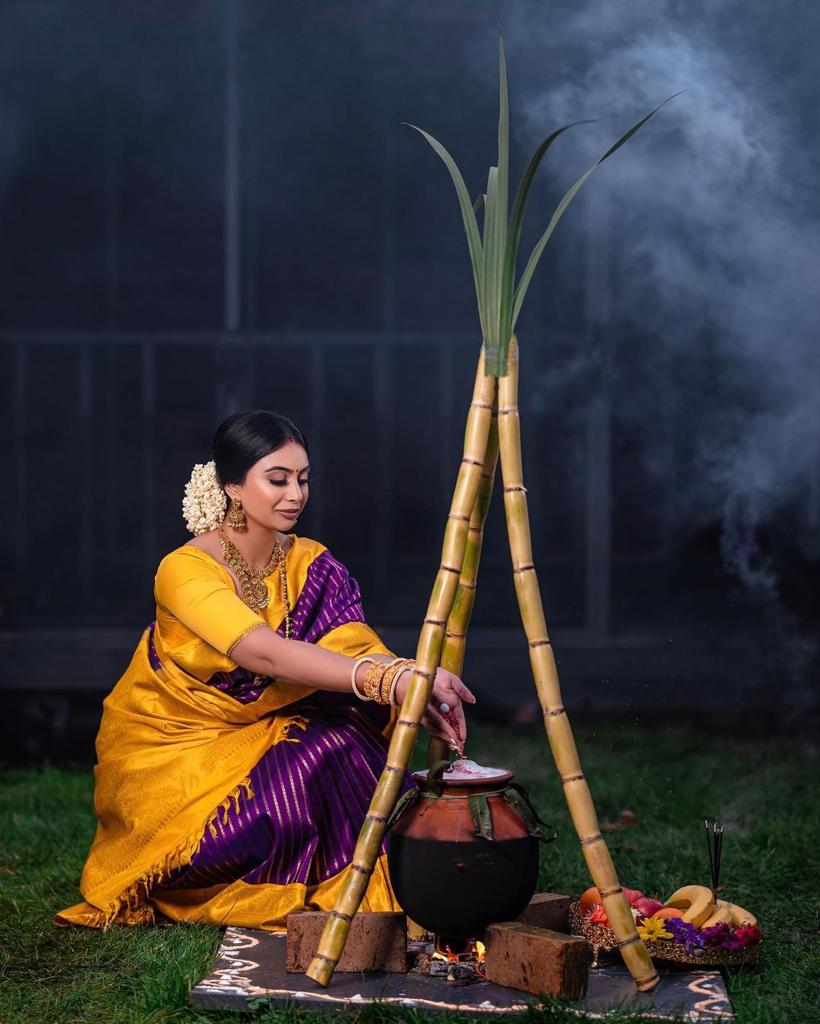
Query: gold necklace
x: 252, y: 580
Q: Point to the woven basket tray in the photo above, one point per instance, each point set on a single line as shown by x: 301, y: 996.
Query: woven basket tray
x: 603, y: 939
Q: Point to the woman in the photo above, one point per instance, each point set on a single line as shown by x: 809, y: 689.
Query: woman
x: 238, y: 754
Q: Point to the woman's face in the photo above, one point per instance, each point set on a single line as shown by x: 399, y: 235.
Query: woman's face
x: 276, y: 488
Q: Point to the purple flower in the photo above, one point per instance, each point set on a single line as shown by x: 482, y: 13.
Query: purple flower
x: 681, y: 930
x: 717, y: 935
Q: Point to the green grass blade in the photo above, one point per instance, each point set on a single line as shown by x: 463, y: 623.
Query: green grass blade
x: 532, y: 262
x: 467, y: 213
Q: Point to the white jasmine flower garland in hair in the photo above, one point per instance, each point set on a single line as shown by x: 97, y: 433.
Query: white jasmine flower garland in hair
x: 204, y: 504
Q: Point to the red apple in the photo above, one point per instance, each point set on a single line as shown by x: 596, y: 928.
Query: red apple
x: 632, y: 895
x: 647, y: 906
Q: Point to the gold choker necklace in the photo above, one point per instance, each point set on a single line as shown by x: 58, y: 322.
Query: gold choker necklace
x: 254, y: 589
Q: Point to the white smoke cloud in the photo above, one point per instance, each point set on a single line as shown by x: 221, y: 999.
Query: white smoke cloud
x: 715, y: 236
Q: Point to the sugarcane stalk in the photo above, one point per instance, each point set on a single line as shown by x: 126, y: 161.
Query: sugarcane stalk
x: 455, y: 636
x: 428, y: 655
x: 545, y: 672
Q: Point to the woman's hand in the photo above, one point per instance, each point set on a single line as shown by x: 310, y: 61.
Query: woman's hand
x: 448, y: 690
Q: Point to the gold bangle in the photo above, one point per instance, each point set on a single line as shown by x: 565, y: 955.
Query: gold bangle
x: 404, y: 668
x: 397, y: 666
x: 354, y: 670
x: 372, y: 681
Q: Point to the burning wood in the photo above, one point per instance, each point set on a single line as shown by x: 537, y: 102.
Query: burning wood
x: 438, y: 960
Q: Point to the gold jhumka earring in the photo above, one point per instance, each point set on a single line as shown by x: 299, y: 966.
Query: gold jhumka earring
x: 236, y: 517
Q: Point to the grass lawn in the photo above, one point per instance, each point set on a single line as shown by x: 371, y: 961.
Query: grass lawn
x: 766, y: 792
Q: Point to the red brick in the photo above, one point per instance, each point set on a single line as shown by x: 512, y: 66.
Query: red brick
x: 377, y: 942
x: 536, y: 960
x: 547, y: 910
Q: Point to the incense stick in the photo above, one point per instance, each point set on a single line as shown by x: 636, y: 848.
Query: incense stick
x: 714, y: 848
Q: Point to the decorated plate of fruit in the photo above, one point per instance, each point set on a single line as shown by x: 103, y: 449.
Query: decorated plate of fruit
x: 693, y: 926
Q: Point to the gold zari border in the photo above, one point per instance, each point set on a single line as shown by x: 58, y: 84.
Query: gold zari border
x: 239, y: 639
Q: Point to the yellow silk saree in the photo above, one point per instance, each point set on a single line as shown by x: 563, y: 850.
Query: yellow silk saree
x: 221, y: 796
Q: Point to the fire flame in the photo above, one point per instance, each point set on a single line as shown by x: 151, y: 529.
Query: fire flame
x: 475, y: 951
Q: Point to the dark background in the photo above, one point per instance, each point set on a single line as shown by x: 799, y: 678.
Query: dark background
x: 208, y: 206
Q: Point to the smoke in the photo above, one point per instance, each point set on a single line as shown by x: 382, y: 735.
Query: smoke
x: 714, y: 228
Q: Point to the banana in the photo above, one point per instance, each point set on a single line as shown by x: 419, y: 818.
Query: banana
x: 696, y: 902
x: 741, y: 917
x: 701, y: 909
x: 724, y: 914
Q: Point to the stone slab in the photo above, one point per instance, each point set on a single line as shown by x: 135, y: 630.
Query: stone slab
x: 249, y: 973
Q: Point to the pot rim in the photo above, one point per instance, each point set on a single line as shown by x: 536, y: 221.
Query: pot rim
x: 504, y: 775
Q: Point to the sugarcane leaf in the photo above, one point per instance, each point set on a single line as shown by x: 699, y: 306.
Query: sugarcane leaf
x: 535, y: 255
x: 523, y: 190
x: 513, y: 240
x: 497, y: 343
x: 479, y: 201
x: 467, y: 213
x: 502, y: 191
x: 493, y: 252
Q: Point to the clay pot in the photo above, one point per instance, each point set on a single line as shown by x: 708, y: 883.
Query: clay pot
x: 457, y: 868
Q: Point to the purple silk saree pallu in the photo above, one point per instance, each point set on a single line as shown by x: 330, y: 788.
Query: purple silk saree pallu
x: 309, y: 800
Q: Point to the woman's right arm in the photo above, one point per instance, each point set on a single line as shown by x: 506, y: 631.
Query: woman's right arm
x: 265, y: 652
x: 197, y: 594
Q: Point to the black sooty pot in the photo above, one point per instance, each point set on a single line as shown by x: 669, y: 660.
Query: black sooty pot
x: 463, y: 854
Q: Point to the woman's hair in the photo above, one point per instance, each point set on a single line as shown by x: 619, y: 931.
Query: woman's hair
x: 246, y: 437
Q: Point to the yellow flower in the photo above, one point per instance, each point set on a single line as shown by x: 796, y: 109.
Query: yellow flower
x: 652, y: 928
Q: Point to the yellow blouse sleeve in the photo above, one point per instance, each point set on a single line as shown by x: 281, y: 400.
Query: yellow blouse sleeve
x: 199, y: 596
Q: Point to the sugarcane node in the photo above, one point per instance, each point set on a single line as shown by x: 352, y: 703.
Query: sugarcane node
x: 456, y: 636
x: 621, y: 943
x: 515, y: 487
x: 478, y: 404
x: 573, y: 778
x: 611, y: 892
x: 560, y: 710
x: 395, y: 770
x: 647, y: 981
x: 375, y: 817
x: 436, y: 622
x: 449, y: 568
x: 472, y: 462
x: 468, y: 586
x: 342, y: 917
x: 327, y: 959
x: 408, y: 723
x: 362, y: 871
x: 596, y: 837
x: 455, y: 515
x: 519, y: 569
x: 424, y: 675
x: 507, y: 410
x: 541, y: 643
